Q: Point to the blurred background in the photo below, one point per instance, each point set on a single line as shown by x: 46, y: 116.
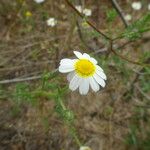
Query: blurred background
x: 35, y: 35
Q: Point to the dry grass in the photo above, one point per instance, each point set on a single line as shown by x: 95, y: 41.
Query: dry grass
x: 28, y: 48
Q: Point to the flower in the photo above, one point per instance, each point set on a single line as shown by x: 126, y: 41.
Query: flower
x: 79, y: 8
x: 148, y: 6
x: 83, y: 73
x: 39, y: 1
x: 128, y: 17
x: 51, y: 22
x: 87, y: 12
x: 85, y: 148
x: 136, y: 5
x: 28, y: 14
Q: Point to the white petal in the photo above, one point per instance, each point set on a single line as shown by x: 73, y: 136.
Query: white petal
x: 74, y: 83
x: 65, y: 68
x: 99, y: 68
x: 84, y: 86
x: 93, y: 60
x: 67, y: 65
x: 99, y: 80
x: 70, y: 76
x: 85, y: 55
x: 85, y: 148
x: 66, y: 61
x: 87, y: 12
x: 78, y: 54
x: 101, y: 74
x: 94, y: 85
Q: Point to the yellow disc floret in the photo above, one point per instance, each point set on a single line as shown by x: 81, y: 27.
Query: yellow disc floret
x: 84, y: 68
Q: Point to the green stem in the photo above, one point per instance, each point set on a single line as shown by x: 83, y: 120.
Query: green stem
x: 73, y: 133
x: 77, y: 140
x: 62, y: 104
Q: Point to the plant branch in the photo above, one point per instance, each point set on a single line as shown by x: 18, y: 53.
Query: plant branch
x: 125, y: 58
x: 15, y: 80
x: 144, y: 94
x: 120, y: 12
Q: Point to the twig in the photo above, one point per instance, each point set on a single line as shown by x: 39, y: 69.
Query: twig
x: 15, y: 80
x: 143, y: 106
x: 14, y: 68
x: 20, y: 79
x: 145, y: 95
x: 101, y: 50
x: 124, y: 58
x: 138, y: 72
x: 119, y: 11
x: 131, y: 87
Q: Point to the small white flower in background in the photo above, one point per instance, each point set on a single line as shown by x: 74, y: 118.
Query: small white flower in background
x: 83, y: 73
x: 148, y: 6
x: 79, y: 8
x: 85, y: 148
x: 87, y: 12
x: 137, y: 5
x: 128, y: 17
x: 51, y: 22
x: 39, y: 1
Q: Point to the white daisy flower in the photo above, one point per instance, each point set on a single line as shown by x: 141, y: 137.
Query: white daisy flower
x: 148, y: 6
x: 136, y: 5
x: 128, y: 17
x: 83, y: 73
x: 79, y: 8
x: 39, y: 1
x: 87, y: 12
x: 85, y: 148
x: 51, y: 22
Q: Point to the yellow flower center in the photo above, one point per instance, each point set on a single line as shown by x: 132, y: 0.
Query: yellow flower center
x: 28, y: 14
x: 84, y: 68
